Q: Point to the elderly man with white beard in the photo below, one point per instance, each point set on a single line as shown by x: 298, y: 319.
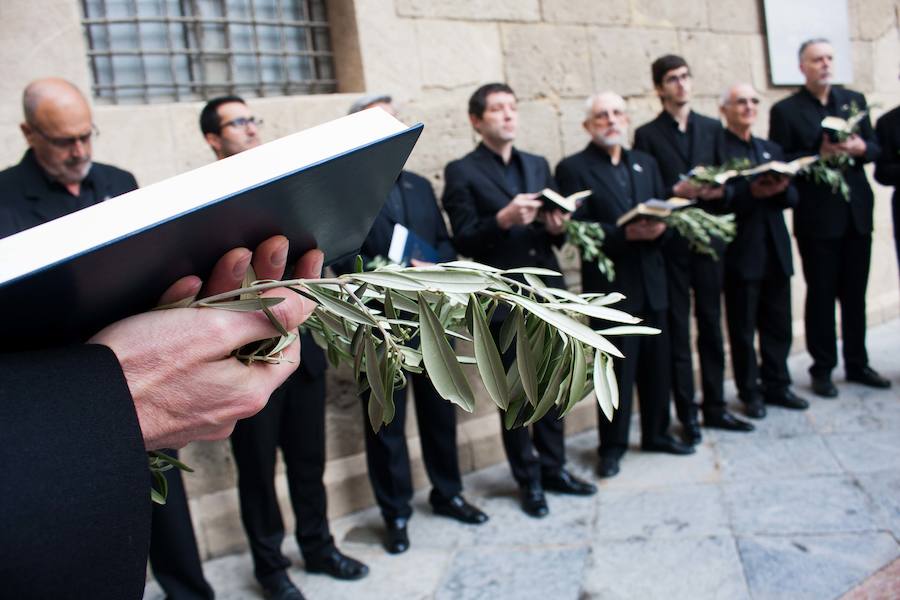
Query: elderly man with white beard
x: 620, y: 179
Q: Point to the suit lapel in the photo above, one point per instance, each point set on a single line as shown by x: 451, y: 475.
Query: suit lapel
x: 529, y: 169
x: 699, y: 140
x: 601, y: 169
x: 762, y: 154
x: 639, y: 181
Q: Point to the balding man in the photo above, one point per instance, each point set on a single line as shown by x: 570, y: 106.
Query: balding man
x: 834, y: 235
x: 57, y: 177
x: 620, y: 179
x: 758, y: 263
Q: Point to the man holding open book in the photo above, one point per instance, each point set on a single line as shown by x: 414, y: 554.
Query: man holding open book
x: 834, y: 234
x: 758, y: 263
x: 491, y: 196
x: 681, y: 139
x: 621, y: 179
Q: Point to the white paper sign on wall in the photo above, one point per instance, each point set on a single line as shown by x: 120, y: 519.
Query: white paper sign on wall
x: 789, y: 23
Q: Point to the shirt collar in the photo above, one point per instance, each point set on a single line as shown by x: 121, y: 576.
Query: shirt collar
x: 731, y: 136
x: 39, y: 183
x: 514, y: 155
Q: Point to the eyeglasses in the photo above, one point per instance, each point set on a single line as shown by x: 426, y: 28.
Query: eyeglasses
x: 68, y: 142
x: 242, y: 122
x: 676, y: 78
x: 746, y: 101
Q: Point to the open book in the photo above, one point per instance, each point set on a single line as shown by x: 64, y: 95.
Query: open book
x: 322, y: 187
x: 840, y: 129
x: 555, y: 200
x: 654, y: 209
x: 778, y: 167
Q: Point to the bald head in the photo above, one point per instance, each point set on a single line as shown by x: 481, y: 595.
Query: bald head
x: 606, y: 120
x: 58, y: 127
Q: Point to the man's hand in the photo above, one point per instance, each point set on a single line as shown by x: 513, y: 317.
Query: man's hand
x: 711, y: 192
x: 644, y: 230
x: 555, y: 221
x: 686, y: 189
x: 853, y: 146
x: 177, y: 362
x: 769, y: 185
x: 521, y: 210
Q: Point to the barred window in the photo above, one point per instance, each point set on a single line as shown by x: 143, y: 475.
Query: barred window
x: 178, y: 50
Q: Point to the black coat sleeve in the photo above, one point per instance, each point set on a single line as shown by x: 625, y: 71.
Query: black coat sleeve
x: 75, y: 506
x: 472, y: 231
x: 887, y: 167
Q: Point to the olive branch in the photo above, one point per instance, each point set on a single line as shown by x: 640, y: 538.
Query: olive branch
x: 699, y: 228
x: 395, y: 320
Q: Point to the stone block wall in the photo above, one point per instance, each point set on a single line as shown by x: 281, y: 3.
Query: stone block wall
x: 431, y: 54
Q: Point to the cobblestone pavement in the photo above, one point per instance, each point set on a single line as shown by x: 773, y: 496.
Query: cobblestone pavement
x: 808, y: 506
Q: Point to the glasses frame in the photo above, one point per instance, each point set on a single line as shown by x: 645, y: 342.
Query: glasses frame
x: 242, y: 123
x: 68, y: 142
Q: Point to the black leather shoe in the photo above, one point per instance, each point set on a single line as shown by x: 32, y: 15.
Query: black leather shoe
x: 457, y: 508
x: 690, y: 433
x: 726, y: 420
x: 340, y: 566
x: 755, y: 407
x: 822, y: 386
x: 608, y: 466
x: 278, y: 586
x: 533, y: 501
x: 870, y: 377
x: 788, y: 399
x: 667, y: 444
x: 397, y: 539
x: 563, y: 482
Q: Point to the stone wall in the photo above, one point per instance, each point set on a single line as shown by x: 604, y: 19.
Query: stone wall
x: 431, y: 54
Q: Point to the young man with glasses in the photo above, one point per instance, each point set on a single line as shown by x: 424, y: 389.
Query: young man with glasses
x: 758, y: 263
x: 293, y: 420
x: 681, y: 139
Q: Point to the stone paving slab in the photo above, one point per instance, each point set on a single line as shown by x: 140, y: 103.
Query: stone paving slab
x: 670, y: 568
x: 812, y: 567
x: 807, y: 506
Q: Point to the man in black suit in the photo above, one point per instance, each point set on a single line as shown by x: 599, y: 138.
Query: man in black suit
x: 834, y: 235
x: 411, y: 203
x: 887, y: 167
x: 97, y: 408
x: 758, y: 263
x: 57, y: 176
x: 293, y: 419
x: 491, y: 199
x: 680, y: 139
x: 621, y: 179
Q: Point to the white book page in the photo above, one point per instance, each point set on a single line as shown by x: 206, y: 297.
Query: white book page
x: 119, y: 217
x: 398, y: 243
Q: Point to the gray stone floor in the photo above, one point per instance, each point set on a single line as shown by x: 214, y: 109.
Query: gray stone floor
x: 805, y: 507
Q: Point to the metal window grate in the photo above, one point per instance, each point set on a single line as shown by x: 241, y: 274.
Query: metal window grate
x: 177, y: 50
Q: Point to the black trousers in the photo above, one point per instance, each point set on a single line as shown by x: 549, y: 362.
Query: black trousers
x: 895, y: 206
x: 686, y: 270
x: 762, y: 305
x: 387, y: 454
x: 542, y: 450
x: 646, y: 363
x: 294, y: 420
x: 836, y: 270
x: 174, y: 556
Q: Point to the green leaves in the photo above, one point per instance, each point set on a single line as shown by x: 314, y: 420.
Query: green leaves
x: 489, y: 364
x: 698, y: 227
x: 372, y: 320
x: 440, y: 361
x: 588, y: 238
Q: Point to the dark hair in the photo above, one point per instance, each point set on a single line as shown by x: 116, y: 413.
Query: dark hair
x: 663, y: 65
x: 478, y: 101
x: 209, y: 116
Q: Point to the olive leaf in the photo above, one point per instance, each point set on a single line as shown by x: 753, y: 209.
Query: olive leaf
x: 440, y: 361
x: 489, y: 364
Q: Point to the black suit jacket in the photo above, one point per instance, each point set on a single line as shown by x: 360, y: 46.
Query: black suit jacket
x: 475, y: 191
x: 756, y: 218
x: 640, y: 270
x: 657, y: 138
x: 887, y: 167
x: 28, y: 198
x: 420, y: 213
x: 75, y: 492
x: 795, y: 125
